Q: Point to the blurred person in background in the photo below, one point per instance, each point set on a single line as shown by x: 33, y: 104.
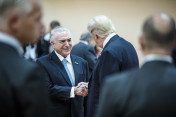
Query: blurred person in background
x: 42, y: 45
x: 38, y: 49
x: 85, y: 51
x: 47, y: 36
x: 22, y: 92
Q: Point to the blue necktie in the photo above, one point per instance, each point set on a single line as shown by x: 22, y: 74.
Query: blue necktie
x: 64, y: 62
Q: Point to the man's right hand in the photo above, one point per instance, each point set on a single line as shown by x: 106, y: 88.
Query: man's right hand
x: 81, y: 89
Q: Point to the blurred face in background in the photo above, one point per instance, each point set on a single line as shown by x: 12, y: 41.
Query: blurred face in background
x: 30, y: 25
x: 42, y: 32
x: 62, y: 44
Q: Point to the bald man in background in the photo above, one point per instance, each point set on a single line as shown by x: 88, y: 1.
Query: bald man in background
x: 151, y: 90
x: 22, y: 92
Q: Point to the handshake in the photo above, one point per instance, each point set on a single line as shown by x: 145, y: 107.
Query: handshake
x: 81, y: 89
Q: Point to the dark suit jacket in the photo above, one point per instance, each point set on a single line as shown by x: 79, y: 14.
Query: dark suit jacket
x: 148, y: 92
x: 42, y: 48
x: 59, y: 85
x: 22, y: 92
x: 86, y: 52
x: 174, y: 56
x: 118, y: 55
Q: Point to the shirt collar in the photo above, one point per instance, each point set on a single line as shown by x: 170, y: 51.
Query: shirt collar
x: 61, y: 57
x: 85, y: 42
x: 108, y: 38
x: 12, y: 41
x: 157, y: 57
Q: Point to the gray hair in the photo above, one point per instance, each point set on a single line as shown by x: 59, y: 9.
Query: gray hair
x: 10, y: 6
x: 101, y: 25
x: 58, y: 29
x: 85, y: 36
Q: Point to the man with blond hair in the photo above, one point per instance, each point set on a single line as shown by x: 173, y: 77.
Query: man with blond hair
x: 151, y: 90
x: 117, y: 56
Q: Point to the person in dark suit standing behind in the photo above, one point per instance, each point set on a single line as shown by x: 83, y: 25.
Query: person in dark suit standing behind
x: 42, y: 45
x: 85, y: 51
x: 67, y: 75
x: 22, y: 92
x: 118, y: 55
x: 151, y: 90
x: 53, y: 24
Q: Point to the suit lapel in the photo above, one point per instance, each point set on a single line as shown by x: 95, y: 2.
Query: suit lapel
x: 60, y: 68
x: 76, y: 68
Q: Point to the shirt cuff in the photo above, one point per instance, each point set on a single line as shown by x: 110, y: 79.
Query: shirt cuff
x: 72, y: 93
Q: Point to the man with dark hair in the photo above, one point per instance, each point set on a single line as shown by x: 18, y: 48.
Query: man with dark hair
x: 53, y: 24
x: 22, y: 92
x: 151, y: 90
x: 42, y: 45
x: 85, y: 51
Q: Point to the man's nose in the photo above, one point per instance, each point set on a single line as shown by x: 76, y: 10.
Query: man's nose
x: 66, y: 43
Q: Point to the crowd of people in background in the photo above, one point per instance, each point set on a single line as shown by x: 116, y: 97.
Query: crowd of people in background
x: 42, y: 75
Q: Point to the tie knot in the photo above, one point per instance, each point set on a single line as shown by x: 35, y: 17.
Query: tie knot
x: 64, y: 61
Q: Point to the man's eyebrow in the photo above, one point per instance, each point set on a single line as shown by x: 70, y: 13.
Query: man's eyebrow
x: 65, y: 39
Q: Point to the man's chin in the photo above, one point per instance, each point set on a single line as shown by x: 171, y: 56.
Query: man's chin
x: 66, y: 53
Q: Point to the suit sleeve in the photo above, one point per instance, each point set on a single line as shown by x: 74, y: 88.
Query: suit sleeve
x: 55, y: 91
x: 108, y: 106
x: 87, y: 73
x: 32, y: 95
x: 91, y: 57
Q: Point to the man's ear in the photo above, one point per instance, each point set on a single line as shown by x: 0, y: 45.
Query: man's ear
x: 52, y: 43
x: 14, y: 23
x: 96, y: 36
x: 142, y: 42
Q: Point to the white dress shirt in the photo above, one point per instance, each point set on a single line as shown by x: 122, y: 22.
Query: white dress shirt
x: 70, y: 67
x: 85, y: 42
x: 31, y: 52
x: 157, y: 57
x: 108, y: 38
x: 12, y: 41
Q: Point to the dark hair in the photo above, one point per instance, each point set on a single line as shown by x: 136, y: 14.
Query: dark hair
x: 85, y: 36
x: 157, y: 37
x: 54, y: 23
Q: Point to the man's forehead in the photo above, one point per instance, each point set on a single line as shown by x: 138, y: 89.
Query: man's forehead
x: 62, y: 34
x: 36, y: 6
